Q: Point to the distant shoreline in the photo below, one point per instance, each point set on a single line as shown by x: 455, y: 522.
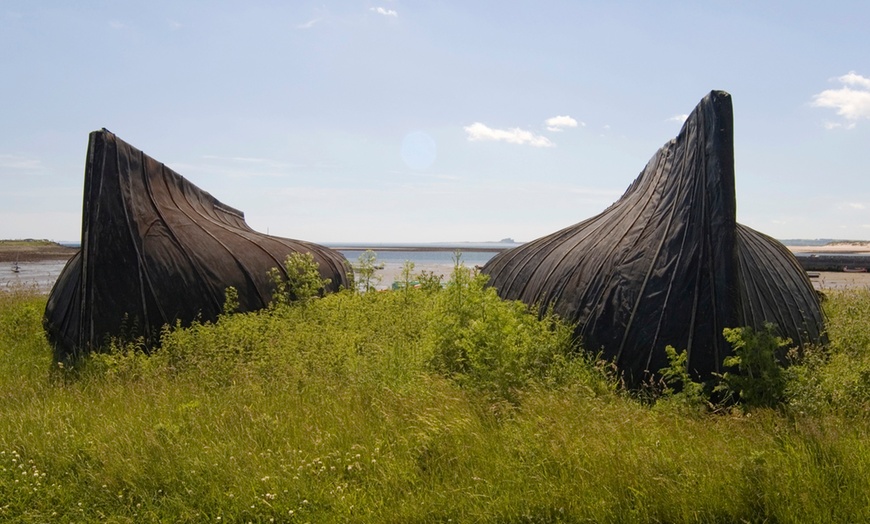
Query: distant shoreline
x: 31, y: 250
x: 421, y: 248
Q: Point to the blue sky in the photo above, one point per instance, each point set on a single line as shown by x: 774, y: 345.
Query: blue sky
x: 430, y: 121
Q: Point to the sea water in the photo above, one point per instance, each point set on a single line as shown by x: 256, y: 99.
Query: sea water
x: 41, y: 275
x: 440, y: 263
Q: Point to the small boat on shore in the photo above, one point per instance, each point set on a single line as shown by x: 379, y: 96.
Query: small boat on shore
x: 667, y: 264
x: 847, y: 269
x: 399, y: 285
x: 157, y: 250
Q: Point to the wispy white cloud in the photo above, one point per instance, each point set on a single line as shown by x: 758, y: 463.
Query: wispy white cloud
x: 559, y: 123
x: 248, y: 159
x: 309, y: 24
x: 854, y: 205
x: 839, y: 125
x: 115, y: 24
x: 436, y: 176
x: 480, y: 132
x: 19, y: 162
x: 678, y: 118
x: 248, y: 167
x: 236, y: 167
x: 385, y: 12
x: 852, y: 102
x: 175, y: 25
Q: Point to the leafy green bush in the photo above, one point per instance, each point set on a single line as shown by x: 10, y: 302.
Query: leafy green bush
x: 490, y: 344
x: 758, y: 379
x: 429, y: 281
x: 367, y: 267
x: 300, y: 281
x: 679, y: 388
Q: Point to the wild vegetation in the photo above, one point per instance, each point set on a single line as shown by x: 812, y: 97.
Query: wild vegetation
x: 430, y: 404
x: 27, y: 242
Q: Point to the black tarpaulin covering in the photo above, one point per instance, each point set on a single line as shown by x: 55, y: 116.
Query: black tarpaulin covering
x: 667, y: 264
x: 156, y: 249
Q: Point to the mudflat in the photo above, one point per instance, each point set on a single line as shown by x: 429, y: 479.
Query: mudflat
x: 835, y: 248
x: 34, y: 250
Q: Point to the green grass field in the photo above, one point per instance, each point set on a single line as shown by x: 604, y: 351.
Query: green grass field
x: 414, y: 406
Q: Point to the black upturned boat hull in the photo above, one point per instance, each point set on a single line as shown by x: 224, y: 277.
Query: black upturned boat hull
x: 157, y: 250
x: 667, y: 264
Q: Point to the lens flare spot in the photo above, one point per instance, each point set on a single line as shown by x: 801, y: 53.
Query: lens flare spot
x: 419, y: 150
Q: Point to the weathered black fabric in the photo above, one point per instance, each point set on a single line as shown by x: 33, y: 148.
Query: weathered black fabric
x: 156, y: 249
x: 667, y: 264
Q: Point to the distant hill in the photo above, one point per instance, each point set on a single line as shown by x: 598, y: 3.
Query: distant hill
x: 30, y: 249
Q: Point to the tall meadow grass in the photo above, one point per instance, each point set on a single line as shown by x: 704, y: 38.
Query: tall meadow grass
x: 413, y: 406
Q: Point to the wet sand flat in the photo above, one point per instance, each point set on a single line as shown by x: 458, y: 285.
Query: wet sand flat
x: 834, y: 249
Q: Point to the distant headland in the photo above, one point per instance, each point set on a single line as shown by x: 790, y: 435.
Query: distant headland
x: 29, y: 249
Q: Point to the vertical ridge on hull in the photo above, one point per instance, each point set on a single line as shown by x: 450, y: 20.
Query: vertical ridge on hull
x: 666, y: 264
x: 155, y: 250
